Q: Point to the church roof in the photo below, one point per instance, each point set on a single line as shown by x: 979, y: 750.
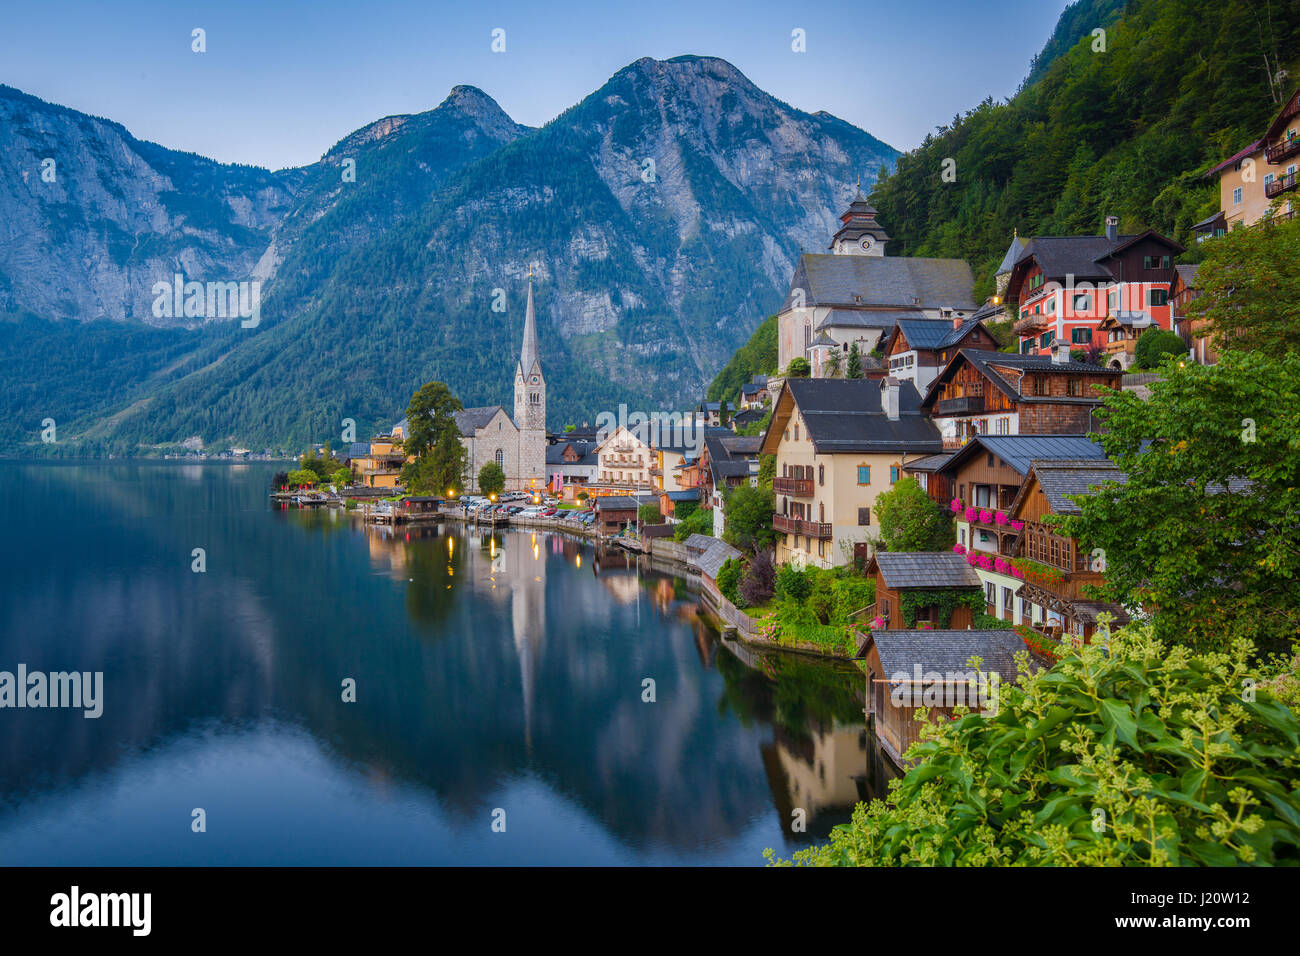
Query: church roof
x: 1012, y: 256
x: 472, y: 419
x: 859, y: 282
x: 528, y: 357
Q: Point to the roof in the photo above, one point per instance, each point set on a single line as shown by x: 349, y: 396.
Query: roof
x: 1235, y: 157
x: 623, y: 502
x: 729, y: 454
x: 1187, y: 275
x: 359, y: 449
x: 925, y: 569
x: 902, y: 652
x: 935, y: 333
x: 699, y: 542
x: 846, y: 416
x: 472, y: 419
x: 751, y: 388
x: 1059, y: 479
x: 529, y: 362
x: 902, y: 281
x: 1132, y: 320
x: 1020, y: 451
x: 681, y: 495
x: 1014, y: 252
x: 929, y: 462
x: 586, y: 451
x: 748, y: 416
x: 712, y: 560
x: 866, y: 318
x: 1081, y: 256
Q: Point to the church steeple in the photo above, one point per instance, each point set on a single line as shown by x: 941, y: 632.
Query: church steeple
x: 528, y: 359
x: 859, y: 234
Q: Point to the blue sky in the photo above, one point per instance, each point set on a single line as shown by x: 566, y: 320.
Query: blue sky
x: 281, y: 82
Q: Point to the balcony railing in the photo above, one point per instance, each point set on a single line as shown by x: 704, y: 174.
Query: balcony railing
x: 1280, y: 185
x: 813, y: 529
x: 965, y: 405
x: 1031, y: 323
x: 794, y: 487
x: 1287, y: 148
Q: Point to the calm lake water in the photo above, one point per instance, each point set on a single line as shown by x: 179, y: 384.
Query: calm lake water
x: 492, y: 672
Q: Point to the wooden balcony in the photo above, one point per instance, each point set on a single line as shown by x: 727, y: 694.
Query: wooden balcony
x: 794, y: 487
x: 1284, y: 150
x: 964, y: 405
x: 813, y: 529
x: 1031, y: 324
x: 1281, y: 184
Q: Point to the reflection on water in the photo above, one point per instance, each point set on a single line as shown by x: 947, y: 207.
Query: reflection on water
x: 492, y: 670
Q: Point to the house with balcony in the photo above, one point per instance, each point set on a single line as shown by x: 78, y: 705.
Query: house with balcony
x: 1001, y: 393
x: 917, y: 349
x: 754, y: 393
x: 624, y: 461
x: 1258, y: 182
x: 1055, y: 573
x: 838, y: 444
x: 984, y: 477
x: 381, y: 464
x: 1064, y: 286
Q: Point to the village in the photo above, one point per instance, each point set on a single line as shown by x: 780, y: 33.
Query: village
x: 892, y: 386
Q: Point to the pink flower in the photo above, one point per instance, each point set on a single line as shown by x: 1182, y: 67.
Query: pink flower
x: 878, y: 623
x: 956, y: 505
x: 1000, y: 517
x: 972, y: 514
x: 1017, y: 525
x: 972, y: 559
x: 986, y: 516
x: 959, y: 549
x: 1000, y: 565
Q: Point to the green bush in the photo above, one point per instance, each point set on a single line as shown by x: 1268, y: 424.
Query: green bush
x: 697, y: 522
x: 1145, y: 754
x: 729, y: 580
x: 649, y: 514
x: 1154, y: 344
x: 792, y: 583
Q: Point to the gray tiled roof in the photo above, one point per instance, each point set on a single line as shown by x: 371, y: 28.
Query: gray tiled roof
x: 1018, y: 451
x: 1058, y: 479
x: 472, y: 419
x: 712, y: 560
x: 884, y: 319
x: 586, y: 451
x: 942, y: 651
x: 1059, y: 256
x: 699, y: 542
x: 905, y: 281
x: 845, y: 415
x: 987, y: 363
x: 1135, y: 320
x: 925, y: 569
x: 934, y: 333
x: 929, y: 462
x: 1014, y: 252
x: 729, y: 456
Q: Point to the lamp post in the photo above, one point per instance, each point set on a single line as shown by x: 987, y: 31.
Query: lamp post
x: 493, y: 499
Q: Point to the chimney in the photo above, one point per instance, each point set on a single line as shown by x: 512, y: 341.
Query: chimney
x: 1060, y: 353
x: 1112, y: 228
x: 889, y: 397
x: 957, y: 320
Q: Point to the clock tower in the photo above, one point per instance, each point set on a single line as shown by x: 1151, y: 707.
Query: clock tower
x: 860, y: 234
x: 530, y: 404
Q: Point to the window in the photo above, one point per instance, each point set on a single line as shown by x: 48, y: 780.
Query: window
x: 1072, y: 387
x: 1026, y: 346
x: 893, y: 474
x: 1158, y: 297
x: 990, y: 594
x: 796, y: 431
x: 1268, y: 178
x: 1112, y: 299
x: 1081, y: 336
x: 1046, y: 338
x: 821, y: 548
x: 864, y: 517
x: 821, y: 474
x: 1236, y: 196
x: 1040, y: 385
x: 864, y: 474
x: 1083, y: 303
x: 1004, y: 426
x: 1051, y: 306
x: 1008, y: 601
x: 501, y: 458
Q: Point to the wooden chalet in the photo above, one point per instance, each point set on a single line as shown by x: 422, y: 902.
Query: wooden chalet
x: 920, y: 579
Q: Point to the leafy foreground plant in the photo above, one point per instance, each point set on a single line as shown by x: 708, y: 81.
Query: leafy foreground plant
x: 1149, y: 756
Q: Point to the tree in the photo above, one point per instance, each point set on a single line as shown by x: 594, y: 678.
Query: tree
x: 428, y: 416
x: 1154, y: 344
x: 1203, y: 530
x: 766, y: 471
x: 440, y: 470
x: 759, y: 581
x: 699, y: 521
x: 910, y: 521
x: 303, y: 476
x: 491, y: 479
x: 749, y: 518
x: 798, y: 368
x: 854, y: 368
x: 342, y: 477
x: 649, y: 514
x: 1142, y: 754
x: 833, y: 364
x: 1250, y: 291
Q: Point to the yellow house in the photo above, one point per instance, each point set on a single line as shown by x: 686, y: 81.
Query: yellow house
x: 1263, y: 173
x: 839, y: 443
x: 382, y: 464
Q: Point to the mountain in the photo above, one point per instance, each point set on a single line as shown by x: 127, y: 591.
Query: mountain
x: 1076, y: 21
x: 1128, y: 131
x: 661, y: 217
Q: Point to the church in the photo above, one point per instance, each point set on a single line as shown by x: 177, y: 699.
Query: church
x: 517, y: 444
x: 856, y: 294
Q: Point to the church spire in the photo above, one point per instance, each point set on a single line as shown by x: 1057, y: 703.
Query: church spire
x: 528, y: 360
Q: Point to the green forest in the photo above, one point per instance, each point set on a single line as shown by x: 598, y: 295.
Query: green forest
x: 1125, y: 123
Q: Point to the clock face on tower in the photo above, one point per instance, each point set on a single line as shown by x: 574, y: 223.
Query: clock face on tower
x: 865, y: 242
x: 536, y: 379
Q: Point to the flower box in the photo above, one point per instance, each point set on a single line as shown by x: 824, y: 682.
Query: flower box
x: 959, y: 549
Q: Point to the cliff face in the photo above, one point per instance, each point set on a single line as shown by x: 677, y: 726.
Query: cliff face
x: 662, y: 216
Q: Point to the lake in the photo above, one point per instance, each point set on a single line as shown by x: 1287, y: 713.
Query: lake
x: 499, y: 678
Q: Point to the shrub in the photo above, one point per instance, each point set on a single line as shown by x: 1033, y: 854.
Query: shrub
x: 697, y: 522
x: 1149, y: 754
x: 649, y: 514
x: 793, y: 583
x: 759, y: 581
x: 729, y: 579
x: 1154, y: 344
